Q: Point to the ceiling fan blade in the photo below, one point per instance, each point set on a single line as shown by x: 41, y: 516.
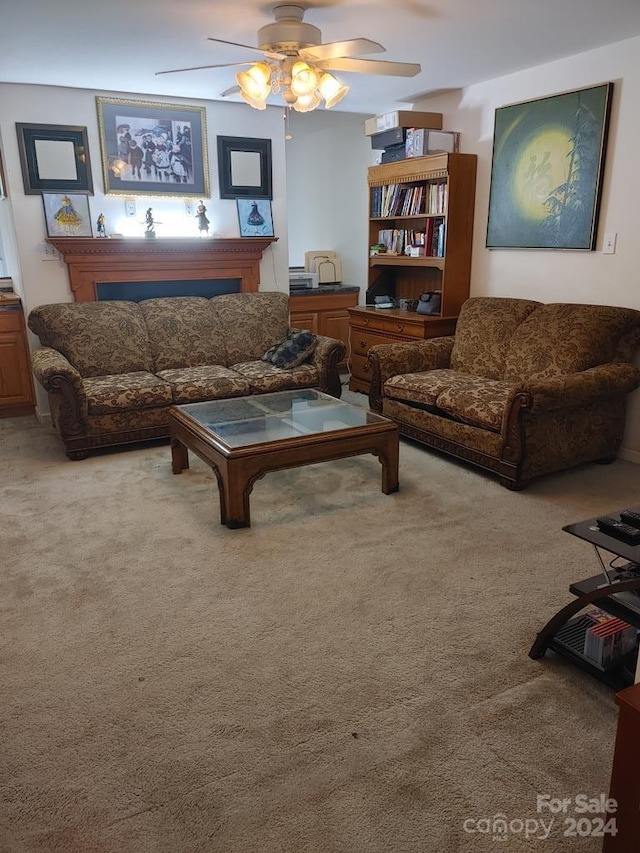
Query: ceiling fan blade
x: 202, y: 67
x: 338, y: 49
x: 232, y: 90
x: 270, y: 54
x: 374, y: 66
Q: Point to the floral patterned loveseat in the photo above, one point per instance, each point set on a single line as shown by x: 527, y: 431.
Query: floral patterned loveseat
x: 113, y: 369
x: 522, y: 389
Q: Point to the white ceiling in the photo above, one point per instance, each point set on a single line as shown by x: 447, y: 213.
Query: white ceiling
x: 118, y: 45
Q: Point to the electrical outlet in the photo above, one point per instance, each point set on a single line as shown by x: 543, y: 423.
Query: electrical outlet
x: 189, y: 208
x: 609, y: 245
x: 48, y: 252
x: 130, y: 207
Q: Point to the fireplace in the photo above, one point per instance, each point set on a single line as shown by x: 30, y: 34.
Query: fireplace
x: 129, y: 268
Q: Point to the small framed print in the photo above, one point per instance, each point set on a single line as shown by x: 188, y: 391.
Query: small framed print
x: 67, y: 215
x: 255, y: 217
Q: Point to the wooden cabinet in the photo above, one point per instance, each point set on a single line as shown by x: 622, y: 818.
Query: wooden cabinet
x: 16, y: 385
x: 371, y: 326
x: 324, y: 313
x: 411, y: 202
x: 625, y: 780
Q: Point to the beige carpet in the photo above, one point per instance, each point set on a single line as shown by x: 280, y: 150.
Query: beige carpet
x: 349, y: 675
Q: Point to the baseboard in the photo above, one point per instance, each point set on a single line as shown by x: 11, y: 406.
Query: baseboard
x: 629, y: 455
x: 43, y: 418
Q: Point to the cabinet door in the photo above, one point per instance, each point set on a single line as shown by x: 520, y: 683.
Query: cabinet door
x: 305, y: 320
x: 335, y: 324
x: 15, y: 379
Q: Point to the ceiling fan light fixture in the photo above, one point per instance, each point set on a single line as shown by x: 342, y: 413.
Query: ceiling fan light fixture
x: 255, y: 82
x: 304, y: 78
x: 332, y: 90
x: 306, y: 103
x: 256, y: 103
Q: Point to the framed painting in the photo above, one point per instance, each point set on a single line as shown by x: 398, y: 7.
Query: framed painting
x: 255, y: 217
x: 546, y: 173
x: 153, y: 149
x: 3, y: 180
x: 244, y: 167
x: 67, y: 215
x: 54, y: 158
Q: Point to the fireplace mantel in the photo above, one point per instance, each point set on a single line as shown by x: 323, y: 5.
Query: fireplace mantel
x: 93, y: 260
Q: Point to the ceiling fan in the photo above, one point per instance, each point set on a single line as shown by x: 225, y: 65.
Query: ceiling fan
x: 297, y: 64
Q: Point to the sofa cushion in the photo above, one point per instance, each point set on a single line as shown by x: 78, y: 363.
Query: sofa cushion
x: 264, y: 378
x: 558, y: 339
x: 292, y: 350
x: 483, y: 331
x: 252, y: 322
x: 183, y: 332
x: 464, y: 397
x: 98, y: 338
x: 207, y: 382
x: 120, y: 392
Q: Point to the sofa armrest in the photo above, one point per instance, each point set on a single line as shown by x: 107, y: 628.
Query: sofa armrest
x: 326, y: 357
x: 60, y: 378
x: 581, y: 389
x: 389, y: 360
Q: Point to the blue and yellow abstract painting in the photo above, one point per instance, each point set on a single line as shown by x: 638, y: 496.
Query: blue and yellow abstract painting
x: 546, y: 175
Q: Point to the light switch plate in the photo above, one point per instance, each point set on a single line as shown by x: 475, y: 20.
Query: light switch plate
x: 130, y: 206
x: 48, y: 252
x: 609, y: 244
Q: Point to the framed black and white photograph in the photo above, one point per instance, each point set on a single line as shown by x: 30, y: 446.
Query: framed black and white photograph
x: 154, y: 149
x: 67, y: 215
x: 54, y: 158
x: 255, y: 217
x: 244, y: 167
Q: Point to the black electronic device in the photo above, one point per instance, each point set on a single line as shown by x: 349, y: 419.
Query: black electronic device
x: 383, y: 286
x: 619, y: 530
x: 630, y: 516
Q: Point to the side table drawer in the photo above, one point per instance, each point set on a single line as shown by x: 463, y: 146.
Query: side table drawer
x: 389, y: 325
x: 361, y: 368
x: 361, y: 342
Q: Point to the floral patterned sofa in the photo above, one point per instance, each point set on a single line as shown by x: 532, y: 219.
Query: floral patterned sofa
x: 113, y: 369
x: 522, y: 389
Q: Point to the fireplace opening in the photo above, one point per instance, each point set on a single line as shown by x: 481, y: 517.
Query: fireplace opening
x: 135, y: 291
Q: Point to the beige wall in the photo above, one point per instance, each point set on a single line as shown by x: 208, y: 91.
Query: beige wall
x: 563, y: 276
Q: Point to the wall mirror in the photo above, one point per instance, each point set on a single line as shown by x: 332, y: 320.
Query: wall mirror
x: 54, y: 158
x: 244, y: 167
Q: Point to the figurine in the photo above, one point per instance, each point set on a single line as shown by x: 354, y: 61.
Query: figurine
x: 101, y: 227
x: 151, y: 231
x: 201, y: 216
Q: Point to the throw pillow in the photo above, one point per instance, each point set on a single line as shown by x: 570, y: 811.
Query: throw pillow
x: 292, y: 350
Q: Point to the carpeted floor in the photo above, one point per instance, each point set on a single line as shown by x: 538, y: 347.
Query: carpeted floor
x: 350, y: 675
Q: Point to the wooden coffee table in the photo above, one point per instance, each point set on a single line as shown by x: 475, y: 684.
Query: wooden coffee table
x: 244, y: 438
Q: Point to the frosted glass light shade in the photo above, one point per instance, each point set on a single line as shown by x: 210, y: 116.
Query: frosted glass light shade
x: 332, y: 90
x: 304, y: 79
x: 255, y: 83
x: 256, y: 103
x: 306, y: 103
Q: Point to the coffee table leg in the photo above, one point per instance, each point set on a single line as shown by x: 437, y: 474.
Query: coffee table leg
x: 234, y: 498
x: 179, y: 456
x: 389, y: 459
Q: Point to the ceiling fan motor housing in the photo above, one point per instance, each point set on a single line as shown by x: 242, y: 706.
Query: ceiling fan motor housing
x: 289, y: 32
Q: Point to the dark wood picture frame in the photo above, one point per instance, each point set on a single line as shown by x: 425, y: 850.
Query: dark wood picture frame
x: 232, y: 186
x: 33, y: 172
x: 547, y: 168
x: 178, y: 130
x: 3, y: 180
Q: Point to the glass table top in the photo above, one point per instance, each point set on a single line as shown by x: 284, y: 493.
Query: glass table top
x: 262, y: 418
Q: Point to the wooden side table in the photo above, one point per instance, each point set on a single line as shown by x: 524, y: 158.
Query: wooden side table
x: 625, y: 775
